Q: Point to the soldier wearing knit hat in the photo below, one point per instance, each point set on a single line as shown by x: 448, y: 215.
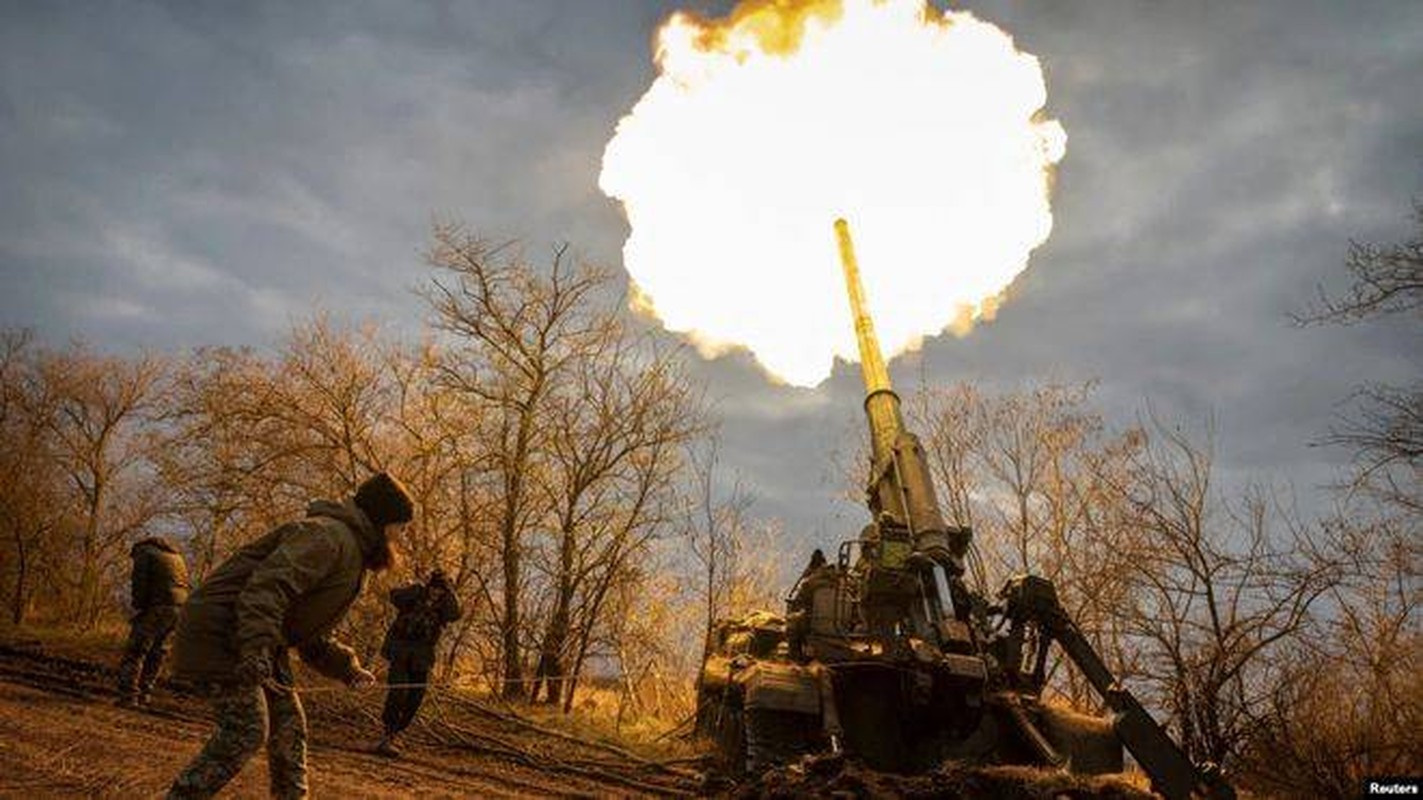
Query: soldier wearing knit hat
x: 288, y: 589
x: 385, y: 500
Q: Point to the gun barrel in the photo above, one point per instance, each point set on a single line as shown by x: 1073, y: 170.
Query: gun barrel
x: 881, y: 403
x: 871, y: 359
x: 900, y: 485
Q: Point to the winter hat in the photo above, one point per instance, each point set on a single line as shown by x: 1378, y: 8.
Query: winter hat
x: 384, y: 500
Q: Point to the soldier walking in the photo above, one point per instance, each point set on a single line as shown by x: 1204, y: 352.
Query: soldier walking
x: 422, y: 612
x: 159, y: 587
x: 288, y: 589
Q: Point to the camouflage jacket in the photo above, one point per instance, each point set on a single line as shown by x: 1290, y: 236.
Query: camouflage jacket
x: 289, y: 588
x: 160, y: 575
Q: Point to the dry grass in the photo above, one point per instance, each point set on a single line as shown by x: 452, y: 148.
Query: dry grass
x: 595, y: 717
x: 107, y: 637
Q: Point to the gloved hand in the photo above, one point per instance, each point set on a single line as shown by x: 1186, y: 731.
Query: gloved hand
x: 254, y: 669
x: 361, y: 678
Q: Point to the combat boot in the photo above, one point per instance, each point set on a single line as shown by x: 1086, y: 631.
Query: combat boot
x: 387, y: 746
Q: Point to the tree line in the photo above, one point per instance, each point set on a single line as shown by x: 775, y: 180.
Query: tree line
x: 566, y: 475
x: 548, y: 443
x: 1286, y: 648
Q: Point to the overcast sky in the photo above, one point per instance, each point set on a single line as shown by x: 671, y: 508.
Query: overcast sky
x: 205, y: 173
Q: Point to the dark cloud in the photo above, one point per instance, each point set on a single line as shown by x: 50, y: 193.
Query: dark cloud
x: 238, y: 163
x: 186, y: 173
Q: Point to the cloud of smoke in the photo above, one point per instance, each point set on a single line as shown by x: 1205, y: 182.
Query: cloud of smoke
x: 925, y: 129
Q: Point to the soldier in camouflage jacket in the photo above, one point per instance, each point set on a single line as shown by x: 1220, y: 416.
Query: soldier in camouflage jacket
x: 287, y: 589
x: 159, y: 587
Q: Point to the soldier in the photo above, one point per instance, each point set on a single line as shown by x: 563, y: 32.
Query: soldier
x: 423, y: 611
x: 288, y: 589
x: 159, y: 587
x: 801, y: 605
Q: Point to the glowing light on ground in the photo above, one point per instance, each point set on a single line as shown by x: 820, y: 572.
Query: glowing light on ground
x: 923, y: 128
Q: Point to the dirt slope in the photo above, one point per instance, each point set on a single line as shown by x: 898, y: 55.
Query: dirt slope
x: 831, y: 778
x: 61, y: 735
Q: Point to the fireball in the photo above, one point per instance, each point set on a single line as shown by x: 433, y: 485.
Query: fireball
x: 925, y: 129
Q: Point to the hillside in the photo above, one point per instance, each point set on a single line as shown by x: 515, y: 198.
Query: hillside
x: 62, y: 735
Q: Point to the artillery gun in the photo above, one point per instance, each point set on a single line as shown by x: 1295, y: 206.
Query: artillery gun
x: 886, y: 655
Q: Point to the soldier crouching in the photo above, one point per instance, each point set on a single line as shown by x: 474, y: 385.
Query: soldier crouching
x: 288, y: 589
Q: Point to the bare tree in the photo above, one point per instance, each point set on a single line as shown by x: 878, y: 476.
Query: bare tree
x: 617, y: 566
x: 31, y: 511
x: 616, y: 431
x: 653, y: 665
x: 515, y: 332
x: 217, y: 464
x: 100, y: 407
x: 1387, y: 279
x: 717, y: 521
x: 329, y: 402
x: 543, y: 445
x: 951, y: 420
x: 253, y: 439
x: 439, y: 454
x: 1218, y: 590
x: 1348, y: 704
x: 1385, y: 427
x: 1029, y: 471
x: 1385, y: 431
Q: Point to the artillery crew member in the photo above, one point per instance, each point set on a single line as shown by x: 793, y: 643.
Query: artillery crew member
x: 287, y: 589
x: 801, y: 606
x: 423, y: 611
x: 159, y: 587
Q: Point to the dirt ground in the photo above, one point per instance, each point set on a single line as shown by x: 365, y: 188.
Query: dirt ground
x: 828, y: 777
x: 61, y: 735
